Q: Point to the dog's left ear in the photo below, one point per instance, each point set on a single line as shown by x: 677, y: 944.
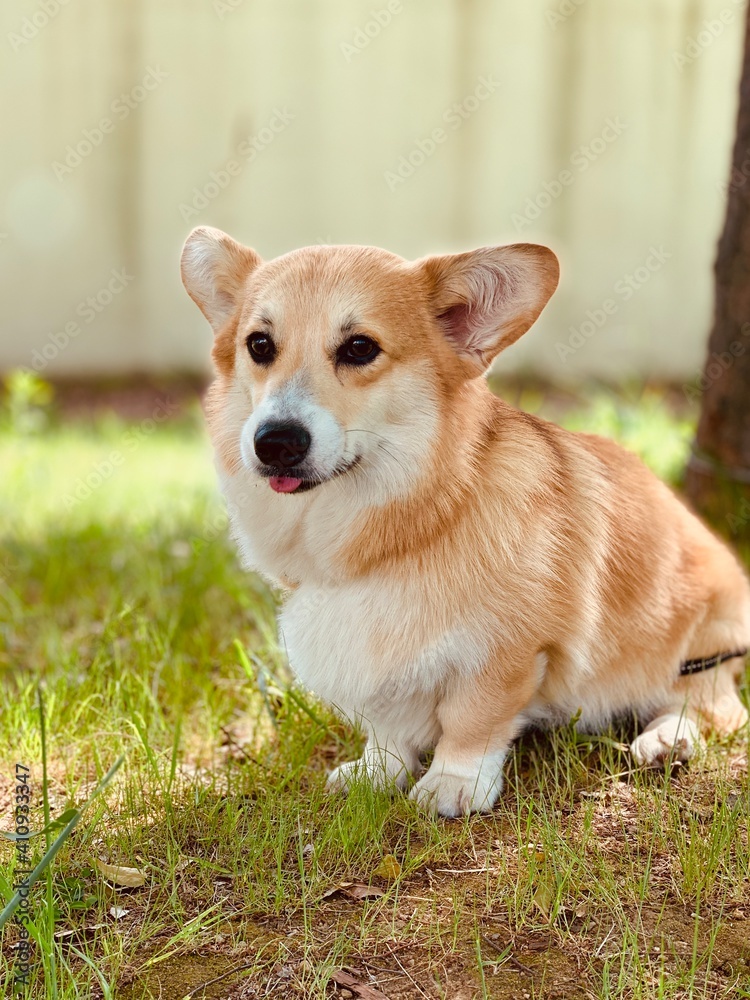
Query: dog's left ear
x: 486, y: 299
x: 214, y: 268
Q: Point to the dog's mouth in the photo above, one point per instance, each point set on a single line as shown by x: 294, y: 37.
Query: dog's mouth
x: 281, y: 483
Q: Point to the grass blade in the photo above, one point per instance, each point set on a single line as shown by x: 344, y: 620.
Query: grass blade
x: 12, y: 904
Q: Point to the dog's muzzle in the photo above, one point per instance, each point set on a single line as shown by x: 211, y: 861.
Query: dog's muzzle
x: 281, y: 446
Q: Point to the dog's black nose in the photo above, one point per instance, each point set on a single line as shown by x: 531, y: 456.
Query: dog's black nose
x: 283, y: 445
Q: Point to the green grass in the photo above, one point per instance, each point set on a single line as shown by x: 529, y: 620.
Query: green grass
x: 588, y: 880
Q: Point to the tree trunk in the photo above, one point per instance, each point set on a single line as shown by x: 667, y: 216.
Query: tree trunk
x: 718, y: 473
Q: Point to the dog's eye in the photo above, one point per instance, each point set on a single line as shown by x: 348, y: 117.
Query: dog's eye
x: 357, y: 351
x: 262, y: 349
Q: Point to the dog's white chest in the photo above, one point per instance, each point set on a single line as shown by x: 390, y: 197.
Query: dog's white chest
x: 371, y: 648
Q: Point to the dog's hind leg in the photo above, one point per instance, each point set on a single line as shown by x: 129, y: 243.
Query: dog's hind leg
x: 707, y: 700
x: 671, y: 734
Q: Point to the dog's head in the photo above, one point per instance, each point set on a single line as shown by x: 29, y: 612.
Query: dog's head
x: 336, y: 358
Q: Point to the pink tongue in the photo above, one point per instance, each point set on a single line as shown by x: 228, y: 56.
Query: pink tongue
x: 284, y: 484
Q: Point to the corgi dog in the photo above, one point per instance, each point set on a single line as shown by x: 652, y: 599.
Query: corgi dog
x: 456, y: 570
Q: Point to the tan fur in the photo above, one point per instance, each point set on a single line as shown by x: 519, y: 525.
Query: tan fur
x: 581, y: 580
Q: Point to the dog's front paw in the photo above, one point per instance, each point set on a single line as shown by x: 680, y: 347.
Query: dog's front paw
x: 342, y: 777
x: 379, y: 768
x: 669, y: 737
x: 459, y: 791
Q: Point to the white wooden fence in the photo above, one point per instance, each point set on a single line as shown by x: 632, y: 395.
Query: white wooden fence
x: 603, y: 127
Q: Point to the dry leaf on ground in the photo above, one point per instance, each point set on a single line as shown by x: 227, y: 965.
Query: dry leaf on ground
x: 388, y: 868
x: 129, y: 878
x: 353, y: 890
x: 362, y: 990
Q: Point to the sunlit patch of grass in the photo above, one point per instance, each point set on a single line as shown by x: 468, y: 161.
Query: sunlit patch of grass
x: 129, y: 606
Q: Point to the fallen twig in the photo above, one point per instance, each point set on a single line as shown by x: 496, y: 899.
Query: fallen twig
x: 509, y: 957
x: 217, y: 979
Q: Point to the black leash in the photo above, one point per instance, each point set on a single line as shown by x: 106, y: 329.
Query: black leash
x: 688, y: 667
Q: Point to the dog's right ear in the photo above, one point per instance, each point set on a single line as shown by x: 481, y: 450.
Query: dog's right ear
x: 214, y: 268
x: 486, y: 299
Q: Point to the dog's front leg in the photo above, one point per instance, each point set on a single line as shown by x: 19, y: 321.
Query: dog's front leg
x: 479, y: 718
x: 388, y: 761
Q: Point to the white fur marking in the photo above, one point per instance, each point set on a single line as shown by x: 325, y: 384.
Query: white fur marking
x: 293, y: 404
